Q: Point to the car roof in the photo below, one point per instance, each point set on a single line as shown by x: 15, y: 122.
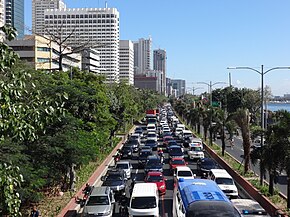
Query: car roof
x: 123, y: 162
x: 153, y: 173
x: 249, y: 207
x: 183, y: 168
x: 186, y: 131
x: 152, y: 157
x: 174, y: 146
x: 177, y: 158
x: 220, y: 173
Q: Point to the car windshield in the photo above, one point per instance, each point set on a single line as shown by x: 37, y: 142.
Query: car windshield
x: 196, y: 149
x: 184, y: 173
x: 167, y: 138
x: 153, y: 162
x: 151, y: 135
x: 122, y: 166
x: 178, y: 162
x: 150, y: 142
x: 98, y: 200
x: 144, y: 153
x: 114, y: 177
x: 127, y: 149
x: 187, y: 135
x: 143, y: 202
x: 208, y: 164
x: 154, y: 179
x: 173, y: 151
x: 224, y: 181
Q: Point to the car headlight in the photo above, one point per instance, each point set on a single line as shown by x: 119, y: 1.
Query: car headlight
x: 107, y: 213
x: 162, y: 186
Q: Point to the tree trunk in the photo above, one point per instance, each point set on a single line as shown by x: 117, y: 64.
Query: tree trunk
x: 223, y: 142
x: 198, y: 128
x: 210, y: 136
x: 204, y: 133
x: 271, y: 183
x: 247, y: 148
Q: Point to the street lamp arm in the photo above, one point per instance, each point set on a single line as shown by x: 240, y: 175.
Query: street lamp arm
x: 218, y: 83
x: 242, y: 67
x: 275, y: 68
x: 203, y: 83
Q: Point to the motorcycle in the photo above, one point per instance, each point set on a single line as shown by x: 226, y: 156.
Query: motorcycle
x: 117, y: 157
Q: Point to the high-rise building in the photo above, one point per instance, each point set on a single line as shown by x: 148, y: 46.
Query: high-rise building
x: 126, y: 61
x: 89, y: 27
x: 14, y: 15
x: 38, y: 8
x: 142, y: 56
x: 178, y: 86
x: 159, y: 64
x: 2, y: 18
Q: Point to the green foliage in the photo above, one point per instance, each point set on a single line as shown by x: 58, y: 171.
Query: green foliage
x: 10, y: 180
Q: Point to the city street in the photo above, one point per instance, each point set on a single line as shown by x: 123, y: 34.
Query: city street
x: 237, y: 151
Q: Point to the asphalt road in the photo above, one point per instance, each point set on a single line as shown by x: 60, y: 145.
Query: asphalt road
x: 238, y: 150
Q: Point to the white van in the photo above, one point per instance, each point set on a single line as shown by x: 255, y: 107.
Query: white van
x: 225, y: 182
x: 151, y: 128
x: 144, y: 200
x: 195, y: 151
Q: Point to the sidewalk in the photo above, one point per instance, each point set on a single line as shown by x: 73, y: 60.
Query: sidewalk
x: 72, y: 207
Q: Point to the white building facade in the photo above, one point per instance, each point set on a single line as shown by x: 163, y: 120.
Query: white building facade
x: 2, y: 17
x: 90, y: 27
x: 142, y: 56
x: 127, y: 61
x: 38, y: 8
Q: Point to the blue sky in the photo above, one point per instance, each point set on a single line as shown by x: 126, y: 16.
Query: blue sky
x: 204, y: 37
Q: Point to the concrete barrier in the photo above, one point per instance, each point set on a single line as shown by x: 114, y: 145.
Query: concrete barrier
x: 271, y: 208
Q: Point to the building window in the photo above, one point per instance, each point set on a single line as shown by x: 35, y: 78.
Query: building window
x: 43, y: 60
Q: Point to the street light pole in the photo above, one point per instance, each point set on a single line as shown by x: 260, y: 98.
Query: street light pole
x: 210, y: 85
x: 262, y: 73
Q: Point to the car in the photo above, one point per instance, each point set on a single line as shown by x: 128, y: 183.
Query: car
x: 139, y: 131
x: 166, y: 139
x: 183, y: 172
x: 249, y: 208
x: 142, y: 158
x: 127, y: 151
x: 176, y: 162
x: 126, y: 166
x: 153, y: 163
x: 100, y: 202
x: 144, y: 147
x: 158, y: 178
x: 152, y: 136
x: 152, y: 144
x: 134, y: 144
x: 135, y: 136
x: 178, y: 131
x: 175, y: 151
x: 195, y: 151
x: 116, y: 179
x: 204, y: 165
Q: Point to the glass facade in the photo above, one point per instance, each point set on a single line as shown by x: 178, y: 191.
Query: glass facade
x: 15, y: 15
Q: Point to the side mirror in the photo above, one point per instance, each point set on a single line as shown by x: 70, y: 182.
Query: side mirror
x: 103, y: 178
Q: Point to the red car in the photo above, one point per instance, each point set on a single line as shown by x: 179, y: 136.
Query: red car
x: 175, y: 162
x: 158, y: 178
x: 166, y: 139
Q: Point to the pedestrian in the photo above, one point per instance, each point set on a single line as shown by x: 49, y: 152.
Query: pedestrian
x: 35, y: 212
x: 232, y: 143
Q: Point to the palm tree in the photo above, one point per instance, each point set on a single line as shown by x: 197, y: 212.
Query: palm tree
x: 242, y: 118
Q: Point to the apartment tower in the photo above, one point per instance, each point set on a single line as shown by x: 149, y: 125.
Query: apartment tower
x: 14, y: 15
x: 142, y: 56
x: 38, y: 8
x: 159, y: 64
x: 126, y: 62
x: 2, y: 18
x: 89, y: 27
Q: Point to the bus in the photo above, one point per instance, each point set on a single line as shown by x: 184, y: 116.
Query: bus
x: 199, y: 198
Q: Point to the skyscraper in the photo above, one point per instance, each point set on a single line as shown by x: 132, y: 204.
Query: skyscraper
x: 38, y: 8
x: 15, y: 15
x: 89, y: 27
x: 127, y: 61
x: 159, y: 64
x: 142, y: 56
x: 178, y: 85
x: 2, y: 18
